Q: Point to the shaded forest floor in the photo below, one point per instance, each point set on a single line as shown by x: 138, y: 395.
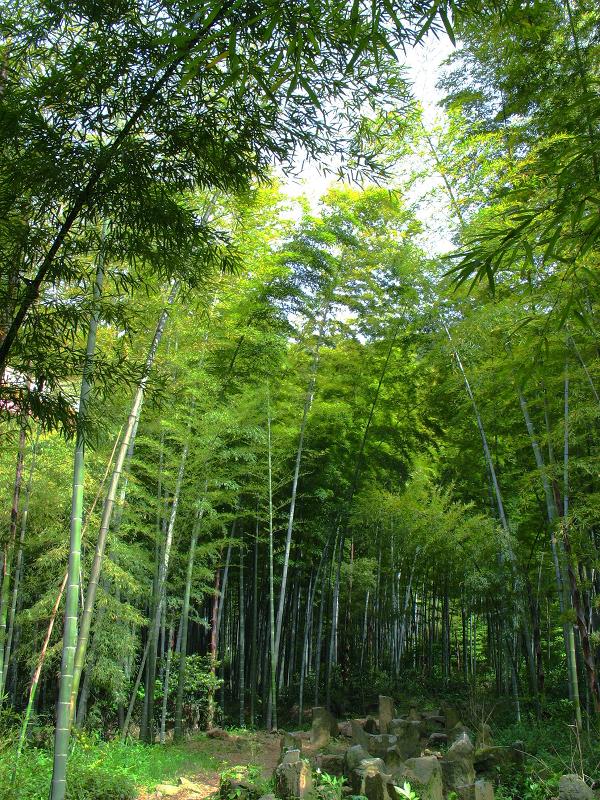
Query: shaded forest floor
x: 204, y: 758
x: 112, y: 770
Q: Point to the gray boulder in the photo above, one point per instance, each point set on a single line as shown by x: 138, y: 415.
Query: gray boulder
x: 408, y: 737
x: 324, y: 726
x: 489, y: 760
x: 293, y: 777
x: 397, y: 725
x: 458, y: 731
x: 424, y: 775
x: 387, y: 712
x: 480, y: 790
x: 379, y: 745
x: 483, y: 737
x: 332, y: 763
x: 359, y: 735
x: 354, y: 755
x: 433, y: 721
x: 290, y: 741
x: 457, y: 765
x: 393, y: 760
x: 451, y: 716
x: 572, y: 787
x: 371, y: 780
x: 371, y: 725
x: 484, y: 790
x: 437, y: 740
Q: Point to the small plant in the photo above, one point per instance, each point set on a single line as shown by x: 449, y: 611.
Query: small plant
x: 250, y: 772
x: 329, y: 787
x: 243, y: 781
x: 238, y: 730
x: 406, y: 792
x: 100, y: 784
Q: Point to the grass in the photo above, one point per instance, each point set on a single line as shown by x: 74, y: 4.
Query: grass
x: 99, y: 770
x: 112, y: 770
x: 553, y: 748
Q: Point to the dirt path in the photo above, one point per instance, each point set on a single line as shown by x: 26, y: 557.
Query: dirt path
x: 222, y: 751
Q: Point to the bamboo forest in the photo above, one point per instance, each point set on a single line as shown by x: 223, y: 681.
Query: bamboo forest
x: 299, y: 399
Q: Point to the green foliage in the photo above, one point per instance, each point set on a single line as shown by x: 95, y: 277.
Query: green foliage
x: 250, y: 775
x: 221, y: 93
x: 98, y: 770
x: 94, y: 784
x: 329, y: 787
x: 200, y: 684
x: 406, y: 792
x: 146, y: 136
x: 539, y: 213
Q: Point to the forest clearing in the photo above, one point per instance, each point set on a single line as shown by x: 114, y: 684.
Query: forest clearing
x: 299, y: 399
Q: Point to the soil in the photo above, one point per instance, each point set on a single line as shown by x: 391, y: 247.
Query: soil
x: 228, y: 750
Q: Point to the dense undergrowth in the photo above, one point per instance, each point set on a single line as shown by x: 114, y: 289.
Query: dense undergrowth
x: 102, y: 767
x: 98, y: 770
x: 116, y: 770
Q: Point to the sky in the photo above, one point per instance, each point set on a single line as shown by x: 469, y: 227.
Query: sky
x: 424, y: 65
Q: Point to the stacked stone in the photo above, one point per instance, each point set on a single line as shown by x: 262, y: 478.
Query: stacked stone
x: 385, y: 751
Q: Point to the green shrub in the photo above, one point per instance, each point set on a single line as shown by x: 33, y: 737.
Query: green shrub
x: 405, y: 791
x: 94, y: 783
x: 98, y: 770
x: 248, y: 774
x: 329, y: 787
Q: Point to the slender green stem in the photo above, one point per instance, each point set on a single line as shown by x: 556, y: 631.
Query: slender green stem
x: 109, y: 505
x: 185, y: 612
x: 7, y: 563
x: 272, y: 722
x: 63, y: 712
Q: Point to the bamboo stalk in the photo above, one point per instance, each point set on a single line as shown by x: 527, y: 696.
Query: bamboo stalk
x: 63, y: 711
x: 185, y: 610
x: 109, y: 505
x: 5, y: 642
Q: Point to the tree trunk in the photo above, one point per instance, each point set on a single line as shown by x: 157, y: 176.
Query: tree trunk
x: 242, y: 645
x: 288, y: 540
x: 254, y: 651
x: 162, y: 580
x: 307, y: 629
x: 210, y: 716
x: 63, y: 711
x: 6, y: 637
x: 109, y: 503
x: 584, y: 637
x: 271, y: 722
x: 332, y: 655
x: 36, y: 678
x: 163, y: 714
x: 552, y: 515
x: 136, y: 686
x: 185, y: 611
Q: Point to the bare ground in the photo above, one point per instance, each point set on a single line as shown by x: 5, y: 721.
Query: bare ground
x: 227, y: 750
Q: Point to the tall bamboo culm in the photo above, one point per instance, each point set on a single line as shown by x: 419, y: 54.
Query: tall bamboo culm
x: 63, y: 711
